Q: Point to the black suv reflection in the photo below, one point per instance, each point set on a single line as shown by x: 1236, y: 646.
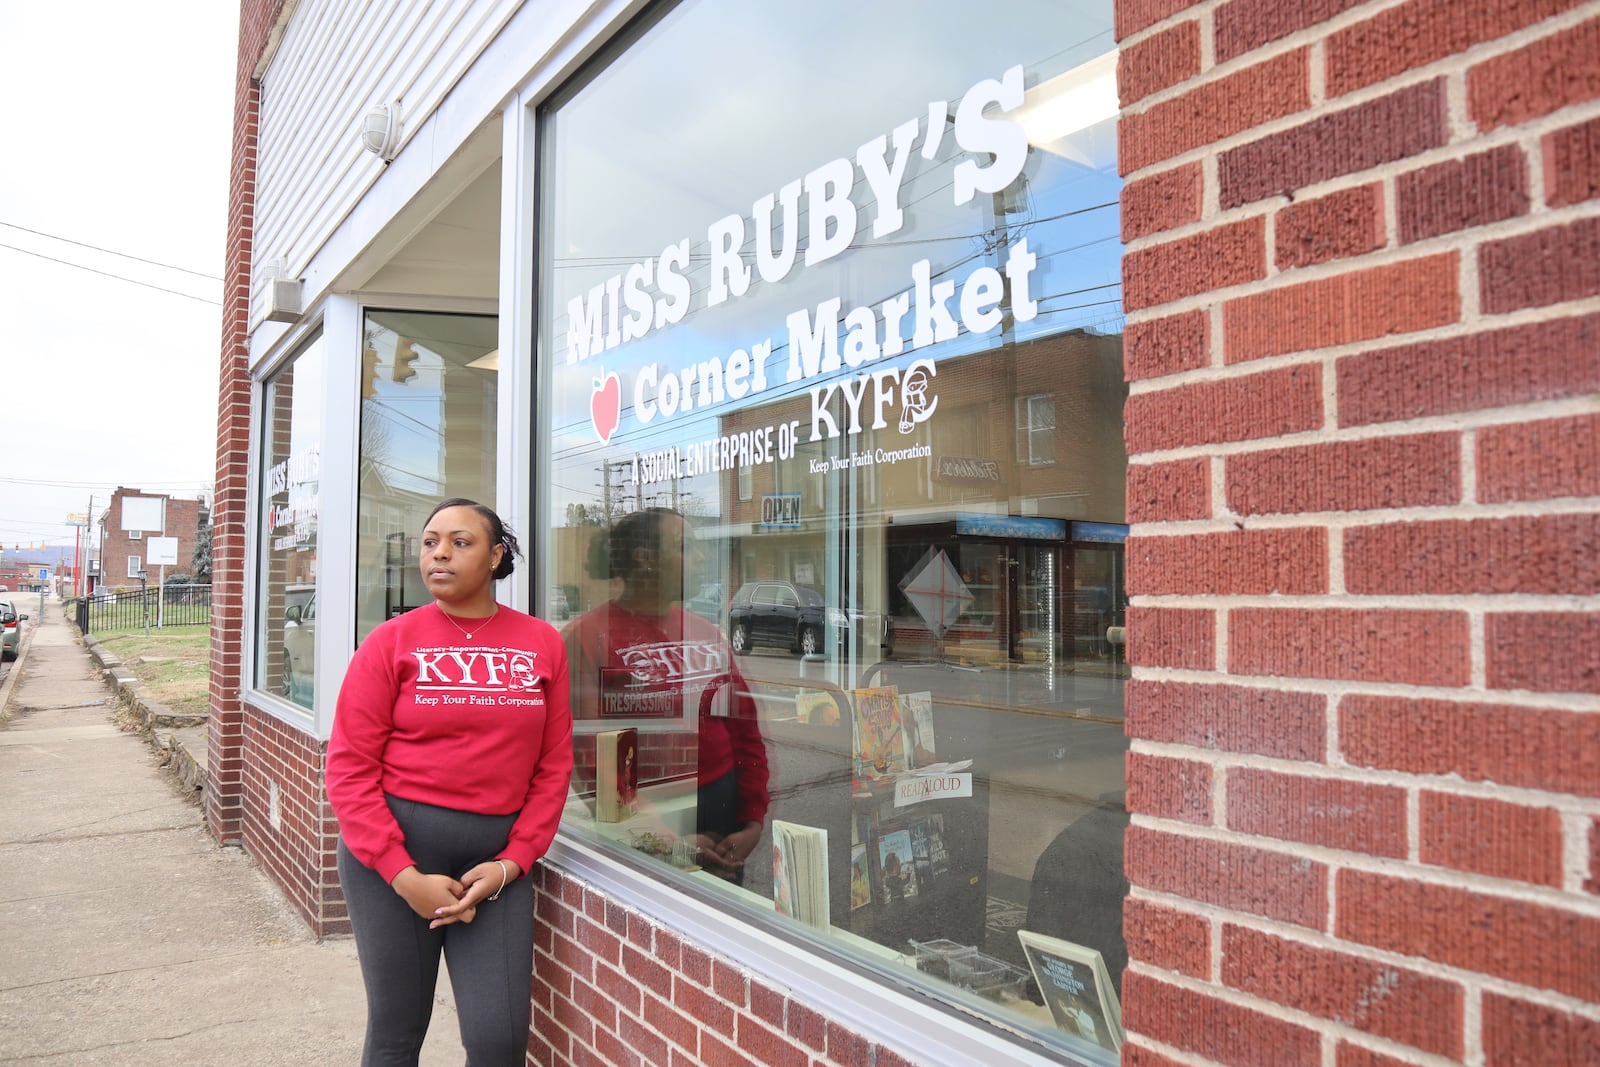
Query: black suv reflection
x: 774, y: 612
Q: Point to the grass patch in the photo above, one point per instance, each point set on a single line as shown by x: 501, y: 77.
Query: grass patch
x: 173, y: 665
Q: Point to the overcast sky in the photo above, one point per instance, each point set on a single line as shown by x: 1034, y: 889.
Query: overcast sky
x: 115, y: 124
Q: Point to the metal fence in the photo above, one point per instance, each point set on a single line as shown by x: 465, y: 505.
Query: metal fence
x: 177, y: 605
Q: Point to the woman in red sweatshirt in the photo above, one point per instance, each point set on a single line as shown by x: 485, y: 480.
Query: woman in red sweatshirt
x: 448, y: 769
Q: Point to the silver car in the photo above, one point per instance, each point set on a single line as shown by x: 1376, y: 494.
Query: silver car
x: 10, y: 629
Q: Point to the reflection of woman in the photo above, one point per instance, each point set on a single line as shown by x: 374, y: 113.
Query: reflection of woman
x: 640, y: 656
x: 448, y: 770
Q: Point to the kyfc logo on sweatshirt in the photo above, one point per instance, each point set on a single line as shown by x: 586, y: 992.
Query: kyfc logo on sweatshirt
x: 485, y: 675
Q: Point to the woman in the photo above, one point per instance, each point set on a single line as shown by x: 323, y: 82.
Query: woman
x: 448, y: 769
x: 641, y: 657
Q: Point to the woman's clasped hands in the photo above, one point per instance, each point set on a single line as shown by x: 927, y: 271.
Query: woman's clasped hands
x: 443, y: 900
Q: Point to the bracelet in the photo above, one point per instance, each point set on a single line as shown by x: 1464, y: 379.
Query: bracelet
x: 503, y: 873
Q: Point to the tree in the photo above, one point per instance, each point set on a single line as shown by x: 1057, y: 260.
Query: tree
x: 202, y: 549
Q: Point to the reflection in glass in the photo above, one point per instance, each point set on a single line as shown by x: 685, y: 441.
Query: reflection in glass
x: 291, y: 476
x: 891, y: 420
x: 428, y: 412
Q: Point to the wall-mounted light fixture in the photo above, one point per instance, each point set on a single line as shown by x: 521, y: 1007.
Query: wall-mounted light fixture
x: 380, y: 131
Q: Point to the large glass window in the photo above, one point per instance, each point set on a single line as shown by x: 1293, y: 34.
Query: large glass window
x: 831, y: 347
x: 291, y: 451
x: 428, y: 391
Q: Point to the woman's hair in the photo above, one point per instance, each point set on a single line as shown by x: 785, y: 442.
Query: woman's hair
x: 499, y: 532
x: 611, y: 554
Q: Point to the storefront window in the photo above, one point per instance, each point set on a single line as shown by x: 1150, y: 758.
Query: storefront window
x: 291, y: 447
x: 832, y: 358
x: 428, y: 391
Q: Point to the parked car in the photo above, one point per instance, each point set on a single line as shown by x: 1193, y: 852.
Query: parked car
x: 299, y: 643
x: 775, y: 612
x: 10, y: 629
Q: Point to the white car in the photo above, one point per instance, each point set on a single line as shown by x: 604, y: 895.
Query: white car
x: 299, y: 645
x: 10, y: 629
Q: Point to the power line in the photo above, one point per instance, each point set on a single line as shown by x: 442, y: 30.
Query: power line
x: 58, y: 484
x: 108, y: 274
x: 111, y: 252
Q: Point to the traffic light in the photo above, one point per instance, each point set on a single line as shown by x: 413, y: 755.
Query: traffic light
x: 405, y: 359
x: 369, y: 373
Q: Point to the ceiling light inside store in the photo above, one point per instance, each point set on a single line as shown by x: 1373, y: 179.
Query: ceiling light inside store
x: 1084, y: 96
x: 490, y: 360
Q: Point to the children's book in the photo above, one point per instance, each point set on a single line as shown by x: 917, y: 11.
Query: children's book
x: 897, y: 867
x: 879, y: 739
x: 860, y: 878
x: 916, y: 719
x: 616, y: 794
x: 800, y: 872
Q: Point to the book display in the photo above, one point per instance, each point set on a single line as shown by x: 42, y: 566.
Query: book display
x: 907, y: 811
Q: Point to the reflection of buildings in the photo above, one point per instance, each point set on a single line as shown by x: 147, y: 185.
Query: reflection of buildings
x: 1021, y: 484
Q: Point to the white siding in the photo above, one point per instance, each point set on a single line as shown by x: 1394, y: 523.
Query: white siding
x: 337, y: 59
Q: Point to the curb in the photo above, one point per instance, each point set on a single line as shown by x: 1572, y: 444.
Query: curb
x: 179, y: 737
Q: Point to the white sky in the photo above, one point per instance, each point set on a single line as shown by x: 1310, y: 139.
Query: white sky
x: 115, y: 128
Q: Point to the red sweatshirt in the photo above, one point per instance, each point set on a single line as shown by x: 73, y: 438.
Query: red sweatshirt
x: 677, y: 661
x: 483, y: 726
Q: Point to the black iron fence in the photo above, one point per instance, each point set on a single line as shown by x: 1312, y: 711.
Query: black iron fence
x: 177, y: 605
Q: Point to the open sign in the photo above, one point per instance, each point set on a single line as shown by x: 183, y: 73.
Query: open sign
x: 781, y: 511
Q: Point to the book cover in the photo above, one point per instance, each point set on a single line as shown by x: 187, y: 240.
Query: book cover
x: 616, y: 793
x: 879, y: 739
x: 897, y: 867
x: 816, y: 706
x: 921, y: 854
x: 800, y: 872
x: 916, y: 718
x: 938, y: 847
x: 1076, y: 988
x: 860, y: 877
x: 861, y: 828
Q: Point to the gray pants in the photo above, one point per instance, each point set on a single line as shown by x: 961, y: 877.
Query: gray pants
x: 490, y: 958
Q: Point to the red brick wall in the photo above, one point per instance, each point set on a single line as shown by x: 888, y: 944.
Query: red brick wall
x: 610, y: 981
x: 1362, y: 282
x: 225, y: 756
x: 286, y: 823
x: 116, y: 547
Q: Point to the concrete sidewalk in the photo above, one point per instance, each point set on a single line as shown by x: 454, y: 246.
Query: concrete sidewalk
x: 129, y: 936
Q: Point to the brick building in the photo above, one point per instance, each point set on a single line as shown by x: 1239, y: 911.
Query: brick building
x: 124, y: 553
x: 1344, y: 808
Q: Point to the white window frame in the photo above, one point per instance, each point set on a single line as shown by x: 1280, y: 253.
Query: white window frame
x: 136, y: 535
x: 1026, y: 430
x: 135, y: 566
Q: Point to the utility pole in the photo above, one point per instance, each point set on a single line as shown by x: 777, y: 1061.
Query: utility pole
x: 88, y: 551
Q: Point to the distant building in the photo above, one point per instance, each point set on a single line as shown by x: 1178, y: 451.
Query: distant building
x: 124, y: 553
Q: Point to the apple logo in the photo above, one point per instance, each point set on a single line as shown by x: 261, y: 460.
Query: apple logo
x: 605, y: 406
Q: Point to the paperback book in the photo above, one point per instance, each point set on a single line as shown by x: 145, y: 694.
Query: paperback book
x: 916, y: 718
x: 879, y: 738
x: 800, y: 872
x: 897, y: 867
x: 616, y: 794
